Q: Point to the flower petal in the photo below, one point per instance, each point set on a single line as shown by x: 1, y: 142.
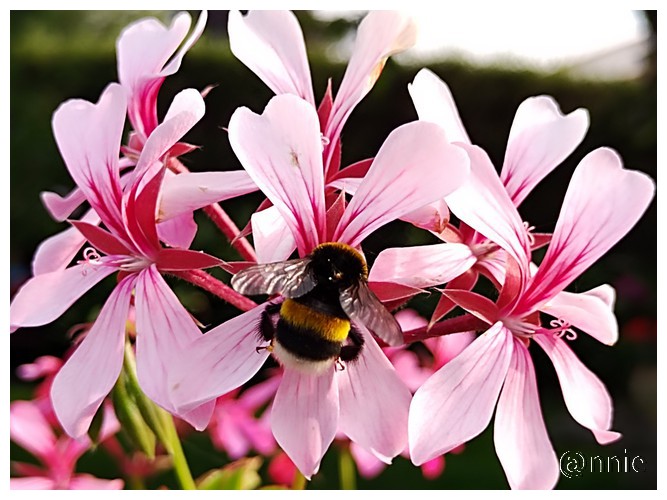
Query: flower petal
x: 60, y: 207
x: 483, y: 204
x: 57, y: 251
x: 45, y: 297
x: 164, y: 331
x: 422, y: 266
x: 374, y: 403
x: 585, y: 395
x: 88, y: 137
x: 271, y: 44
x: 91, y: 372
x: 304, y: 417
x: 591, y: 311
x: 591, y: 221
x: 175, y: 62
x: 415, y: 166
x: 187, y: 192
x: 185, y: 111
x: 282, y: 152
x: 541, y: 137
x: 218, y: 362
x: 272, y: 236
x: 31, y: 483
x: 178, y: 231
x: 29, y: 429
x: 519, y: 434
x: 434, y: 103
x: 380, y: 35
x: 432, y: 217
x: 143, y: 49
x: 368, y: 465
x: 89, y: 482
x: 457, y: 402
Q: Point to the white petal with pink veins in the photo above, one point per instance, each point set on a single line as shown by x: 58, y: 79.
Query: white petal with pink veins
x: 541, y: 137
x: 304, y: 417
x: 591, y: 311
x: 271, y: 235
x: 602, y: 203
x: 45, y: 297
x: 190, y: 191
x: 415, y: 166
x: 185, y: 111
x: 585, y: 395
x: 271, y: 44
x: 57, y: 251
x: 91, y: 372
x: 374, y: 403
x: 164, y: 331
x: 457, y: 402
x: 217, y: 362
x: 519, y: 434
x: 282, y: 152
x: 60, y: 207
x: 380, y: 35
x: 434, y: 103
x: 88, y: 137
x: 484, y: 205
x: 422, y: 266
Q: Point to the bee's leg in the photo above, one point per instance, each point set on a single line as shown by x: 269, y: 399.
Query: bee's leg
x: 267, y: 329
x: 351, y: 351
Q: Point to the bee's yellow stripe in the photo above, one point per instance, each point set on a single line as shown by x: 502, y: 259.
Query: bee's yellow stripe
x: 300, y: 316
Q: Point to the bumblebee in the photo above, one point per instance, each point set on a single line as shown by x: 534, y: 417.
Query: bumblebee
x: 326, y: 299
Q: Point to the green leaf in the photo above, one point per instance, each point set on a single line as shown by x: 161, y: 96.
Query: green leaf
x: 240, y: 475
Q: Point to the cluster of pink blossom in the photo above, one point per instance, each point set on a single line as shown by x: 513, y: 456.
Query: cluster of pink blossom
x: 389, y: 401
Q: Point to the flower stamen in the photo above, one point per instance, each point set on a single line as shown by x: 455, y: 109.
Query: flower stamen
x: 90, y: 259
x: 529, y: 229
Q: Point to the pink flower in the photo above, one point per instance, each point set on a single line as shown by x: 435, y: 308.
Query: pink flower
x: 271, y: 44
x: 147, y: 54
x: 491, y: 228
x: 29, y: 428
x: 281, y: 150
x: 602, y: 204
x: 89, y: 137
x: 143, y: 49
x: 235, y: 427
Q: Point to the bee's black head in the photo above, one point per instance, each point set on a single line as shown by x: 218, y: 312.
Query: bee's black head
x: 338, y: 265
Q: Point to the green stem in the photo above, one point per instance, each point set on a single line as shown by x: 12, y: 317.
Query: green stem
x: 175, y: 450
x: 161, y: 422
x: 348, y: 476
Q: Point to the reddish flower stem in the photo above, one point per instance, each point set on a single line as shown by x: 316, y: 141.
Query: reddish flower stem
x: 231, y: 231
x: 464, y: 323
x: 220, y: 218
x: 204, y: 280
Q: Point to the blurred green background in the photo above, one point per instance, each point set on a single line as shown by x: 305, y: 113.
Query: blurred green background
x: 59, y: 55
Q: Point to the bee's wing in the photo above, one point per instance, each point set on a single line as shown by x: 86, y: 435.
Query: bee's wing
x: 291, y: 278
x: 362, y: 306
